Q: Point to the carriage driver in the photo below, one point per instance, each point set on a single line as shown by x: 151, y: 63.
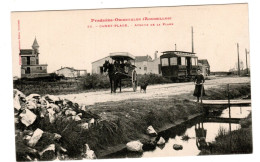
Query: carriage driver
x: 127, y: 66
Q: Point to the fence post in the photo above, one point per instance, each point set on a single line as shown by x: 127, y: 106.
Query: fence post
x: 229, y: 114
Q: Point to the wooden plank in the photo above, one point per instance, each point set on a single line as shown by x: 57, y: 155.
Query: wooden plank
x: 221, y: 120
x: 225, y: 102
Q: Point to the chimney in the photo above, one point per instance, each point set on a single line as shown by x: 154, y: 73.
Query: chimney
x: 155, y: 54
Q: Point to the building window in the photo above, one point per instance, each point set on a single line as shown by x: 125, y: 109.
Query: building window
x: 28, y: 60
x: 28, y: 70
x: 37, y: 61
x: 173, y: 61
x: 165, y: 62
x: 145, y: 68
x: 101, y: 70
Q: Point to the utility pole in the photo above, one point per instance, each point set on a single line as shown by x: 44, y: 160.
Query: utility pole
x: 192, y: 46
x: 238, y: 63
x: 175, y: 47
x: 246, y: 63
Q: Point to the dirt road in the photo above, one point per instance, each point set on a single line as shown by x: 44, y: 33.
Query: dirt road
x: 153, y: 91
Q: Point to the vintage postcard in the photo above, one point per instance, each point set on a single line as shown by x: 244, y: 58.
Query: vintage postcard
x: 131, y: 82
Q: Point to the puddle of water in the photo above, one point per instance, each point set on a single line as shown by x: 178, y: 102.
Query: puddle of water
x: 174, y: 136
x: 237, y: 112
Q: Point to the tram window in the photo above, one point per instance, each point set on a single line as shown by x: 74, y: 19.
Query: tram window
x: 165, y: 62
x: 194, y: 61
x: 173, y: 61
x: 183, y: 61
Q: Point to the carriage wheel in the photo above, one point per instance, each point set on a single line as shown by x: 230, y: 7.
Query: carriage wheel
x: 134, y: 80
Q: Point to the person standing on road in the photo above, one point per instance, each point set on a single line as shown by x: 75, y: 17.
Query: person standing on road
x: 199, y: 88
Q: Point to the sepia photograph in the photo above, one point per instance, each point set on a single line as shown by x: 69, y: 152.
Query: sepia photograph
x: 134, y: 82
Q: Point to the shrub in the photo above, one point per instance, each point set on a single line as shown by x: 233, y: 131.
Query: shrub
x: 152, y: 79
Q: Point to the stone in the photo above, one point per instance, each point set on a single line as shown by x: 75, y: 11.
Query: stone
x: 44, y: 102
x: 135, y: 146
x: 76, y: 118
x: 150, y: 145
x: 52, y: 116
x: 57, y: 136
x: 150, y: 131
x: 16, y: 102
x: 83, y: 107
x: 55, y: 107
x: 161, y: 141
x: 31, y: 104
x: 48, y: 153
x: 37, y: 134
x: 27, y: 138
x: 177, y: 147
x: 19, y: 93
x: 91, y: 122
x: 89, y: 154
x: 31, y: 96
x: 27, y: 117
x: 52, y: 98
x: 84, y: 125
x: 79, y: 114
x: 70, y: 113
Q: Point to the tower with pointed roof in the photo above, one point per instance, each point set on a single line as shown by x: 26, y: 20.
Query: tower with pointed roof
x: 30, y: 62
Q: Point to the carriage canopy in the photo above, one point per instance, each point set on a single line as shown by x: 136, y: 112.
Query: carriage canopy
x: 122, y: 55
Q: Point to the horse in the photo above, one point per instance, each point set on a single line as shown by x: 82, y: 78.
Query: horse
x: 113, y: 75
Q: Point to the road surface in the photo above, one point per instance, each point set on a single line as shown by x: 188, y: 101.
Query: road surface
x: 153, y: 91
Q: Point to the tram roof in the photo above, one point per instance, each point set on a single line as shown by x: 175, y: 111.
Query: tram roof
x: 178, y: 54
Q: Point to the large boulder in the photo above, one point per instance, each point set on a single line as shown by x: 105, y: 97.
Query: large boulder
x: 150, y: 131
x: 27, y: 117
x: 177, y: 147
x: 136, y: 146
x: 37, y: 134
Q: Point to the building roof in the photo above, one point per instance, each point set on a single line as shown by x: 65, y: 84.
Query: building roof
x: 100, y: 59
x: 143, y: 58
x: 71, y: 68
x: 26, y: 51
x: 204, y: 62
x: 35, y: 44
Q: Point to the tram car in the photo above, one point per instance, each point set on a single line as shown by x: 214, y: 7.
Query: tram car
x: 179, y: 65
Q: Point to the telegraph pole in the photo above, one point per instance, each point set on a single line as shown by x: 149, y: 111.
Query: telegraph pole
x: 246, y: 63
x: 192, y: 46
x: 238, y: 63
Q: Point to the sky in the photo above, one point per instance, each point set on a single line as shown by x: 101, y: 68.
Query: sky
x: 66, y: 39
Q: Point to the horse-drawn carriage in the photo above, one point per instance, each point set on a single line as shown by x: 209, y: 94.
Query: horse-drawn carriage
x: 121, y: 68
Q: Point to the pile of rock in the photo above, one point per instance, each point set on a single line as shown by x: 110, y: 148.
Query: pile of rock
x: 32, y: 143
x: 151, y: 144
